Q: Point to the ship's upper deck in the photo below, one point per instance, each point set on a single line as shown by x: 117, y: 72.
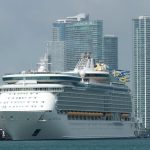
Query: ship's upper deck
x: 86, y: 72
x: 41, y: 78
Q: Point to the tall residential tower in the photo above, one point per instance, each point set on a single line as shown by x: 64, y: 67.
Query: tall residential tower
x: 141, y: 69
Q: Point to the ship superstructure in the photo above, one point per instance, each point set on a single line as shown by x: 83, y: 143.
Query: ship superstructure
x: 87, y: 102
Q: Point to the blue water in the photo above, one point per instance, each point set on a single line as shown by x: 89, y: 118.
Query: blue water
x: 117, y: 144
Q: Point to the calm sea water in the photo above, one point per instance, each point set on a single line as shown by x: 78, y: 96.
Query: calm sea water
x: 117, y: 144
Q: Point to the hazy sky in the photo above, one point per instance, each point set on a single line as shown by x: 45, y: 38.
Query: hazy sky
x: 26, y: 24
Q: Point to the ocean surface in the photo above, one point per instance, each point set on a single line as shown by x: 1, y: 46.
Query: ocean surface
x: 101, y: 144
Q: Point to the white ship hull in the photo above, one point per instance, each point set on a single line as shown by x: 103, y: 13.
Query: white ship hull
x: 55, y: 126
x: 40, y: 120
x: 87, y: 102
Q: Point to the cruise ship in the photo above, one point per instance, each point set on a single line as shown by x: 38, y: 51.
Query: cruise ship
x: 87, y: 102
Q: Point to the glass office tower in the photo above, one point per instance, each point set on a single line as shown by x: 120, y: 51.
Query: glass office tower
x: 58, y: 31
x: 56, y: 56
x: 80, y: 37
x: 110, y: 51
x: 58, y: 27
x: 56, y: 46
x: 141, y: 69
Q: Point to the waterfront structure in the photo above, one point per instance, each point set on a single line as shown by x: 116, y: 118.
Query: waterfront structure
x: 110, y: 51
x: 87, y: 102
x: 141, y: 70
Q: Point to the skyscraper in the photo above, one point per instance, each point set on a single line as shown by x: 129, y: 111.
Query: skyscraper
x: 57, y: 50
x: 110, y: 51
x: 141, y: 69
x: 58, y: 29
x: 80, y: 37
x: 56, y: 55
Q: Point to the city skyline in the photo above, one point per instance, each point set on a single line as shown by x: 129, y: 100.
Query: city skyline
x: 76, y: 35
x: 25, y: 27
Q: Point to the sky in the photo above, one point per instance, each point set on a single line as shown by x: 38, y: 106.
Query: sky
x: 25, y: 26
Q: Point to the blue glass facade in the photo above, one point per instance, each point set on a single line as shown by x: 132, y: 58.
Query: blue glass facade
x: 56, y: 50
x: 58, y: 31
x: 110, y: 51
x: 79, y: 35
x: 82, y: 37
